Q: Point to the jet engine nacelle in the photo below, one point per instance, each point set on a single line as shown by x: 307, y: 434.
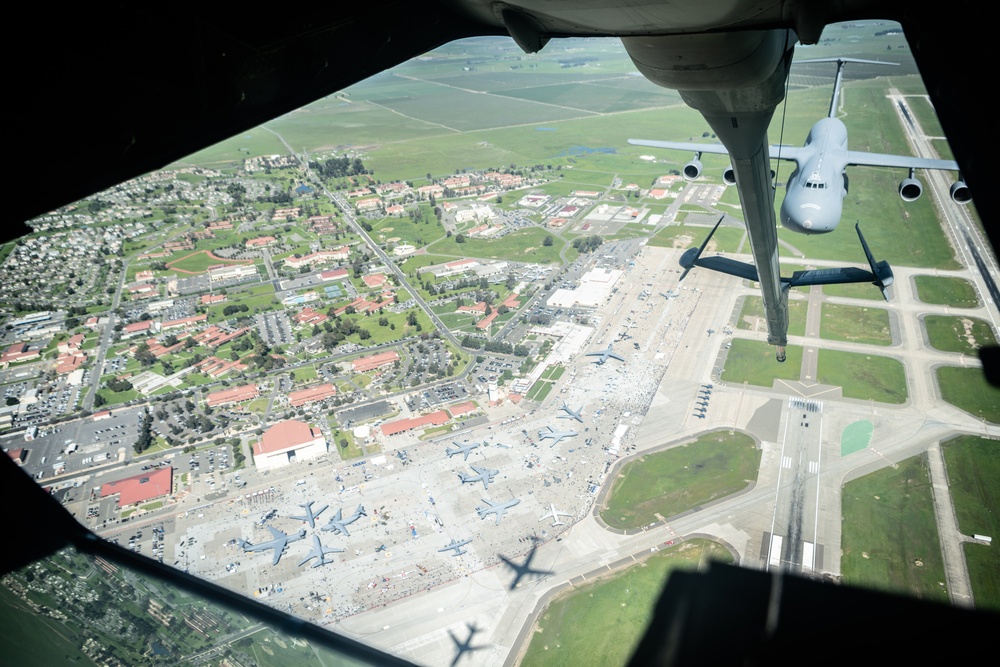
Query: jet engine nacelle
x: 729, y: 176
x: 910, y: 189
x: 692, y: 169
x: 960, y: 193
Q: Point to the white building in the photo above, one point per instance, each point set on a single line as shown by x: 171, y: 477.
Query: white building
x: 286, y: 442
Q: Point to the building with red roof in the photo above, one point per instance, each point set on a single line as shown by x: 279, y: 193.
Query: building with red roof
x: 320, y: 392
x: 402, y: 425
x: 462, y: 409
x: 140, y: 488
x: 235, y: 395
x: 286, y: 442
x: 374, y: 280
x: 365, y: 364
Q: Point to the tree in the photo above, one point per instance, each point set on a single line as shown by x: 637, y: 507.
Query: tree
x: 548, y: 241
x: 459, y: 238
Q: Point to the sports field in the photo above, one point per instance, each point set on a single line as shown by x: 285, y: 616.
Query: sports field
x: 600, y: 623
x: 198, y: 262
x: 681, y: 478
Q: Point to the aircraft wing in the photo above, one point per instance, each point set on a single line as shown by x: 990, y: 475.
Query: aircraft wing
x: 275, y: 533
x: 776, y: 152
x: 717, y: 149
x: 907, y: 162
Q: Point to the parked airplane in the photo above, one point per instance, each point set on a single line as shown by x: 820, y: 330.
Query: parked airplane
x: 319, y: 552
x: 604, y: 355
x: 463, y: 647
x: 700, y: 415
x: 465, y: 449
x: 484, y: 475
x: 456, y: 546
x: 380, y: 548
x: 338, y: 524
x: 278, y: 544
x: 571, y: 414
x: 555, y: 436
x: 554, y: 514
x: 499, y: 509
x: 310, y: 516
x: 524, y: 569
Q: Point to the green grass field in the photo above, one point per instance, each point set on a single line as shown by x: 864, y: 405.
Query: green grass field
x: 890, y: 538
x: 726, y: 239
x: 539, y: 391
x: 863, y: 376
x: 854, y: 291
x: 681, y: 478
x: 945, y: 291
x: 31, y: 639
x: 855, y: 324
x: 601, y: 622
x: 752, y: 315
x: 967, y: 389
x: 753, y: 361
x: 973, y: 469
x: 197, y: 262
x: 953, y: 333
x: 553, y: 372
x: 523, y: 245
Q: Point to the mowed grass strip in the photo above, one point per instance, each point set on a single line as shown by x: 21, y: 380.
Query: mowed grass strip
x: 890, y: 537
x: 864, y: 376
x: 950, y: 333
x: 753, y: 361
x: 681, y: 478
x: 946, y: 291
x: 601, y: 623
x: 967, y: 389
x: 539, y: 391
x: 973, y: 465
x: 855, y: 324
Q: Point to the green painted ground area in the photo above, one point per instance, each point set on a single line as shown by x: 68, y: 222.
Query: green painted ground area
x: 967, y: 389
x: 855, y: 324
x: 681, y: 478
x: 600, y: 624
x: 973, y: 466
x: 863, y: 376
x: 856, y: 437
x: 946, y: 291
x: 955, y: 333
x: 890, y: 537
x: 753, y: 361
